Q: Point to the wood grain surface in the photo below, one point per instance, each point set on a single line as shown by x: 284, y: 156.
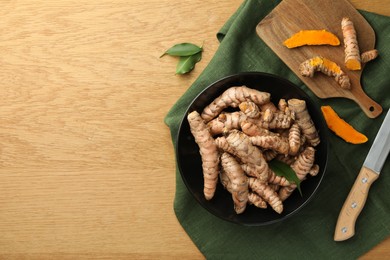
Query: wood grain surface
x: 86, y: 161
x: 291, y: 16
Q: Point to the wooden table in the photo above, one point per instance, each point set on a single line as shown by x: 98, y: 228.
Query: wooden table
x: 86, y: 161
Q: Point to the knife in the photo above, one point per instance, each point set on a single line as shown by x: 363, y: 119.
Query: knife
x: 372, y: 166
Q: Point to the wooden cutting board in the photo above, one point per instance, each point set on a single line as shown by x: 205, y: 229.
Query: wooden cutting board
x: 291, y: 16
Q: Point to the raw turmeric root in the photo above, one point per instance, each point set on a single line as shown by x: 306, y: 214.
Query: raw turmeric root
x: 224, y: 146
x: 248, y: 153
x: 233, y: 97
x: 208, y: 151
x: 303, y: 119
x: 252, y: 129
x: 267, y: 193
x: 268, y: 115
x: 250, y: 109
x: 238, y: 182
x: 278, y: 120
x: 286, y: 191
x: 282, y: 104
x: 225, y: 180
x: 239, y: 120
x: 315, y: 169
x: 269, y: 155
x: 225, y: 122
x: 275, y: 187
x: 328, y: 67
x: 256, y: 200
x: 294, y: 139
x: 301, y: 167
x: 351, y: 46
x: 277, y: 180
x: 342, y: 128
x: 250, y: 170
x: 273, y: 142
x: 369, y: 55
x: 271, y: 106
x: 286, y: 159
x: 304, y: 162
x: 311, y: 37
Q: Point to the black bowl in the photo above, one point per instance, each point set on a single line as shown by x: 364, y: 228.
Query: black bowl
x: 189, y: 160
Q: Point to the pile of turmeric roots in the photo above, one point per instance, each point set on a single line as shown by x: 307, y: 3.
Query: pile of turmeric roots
x: 240, y: 132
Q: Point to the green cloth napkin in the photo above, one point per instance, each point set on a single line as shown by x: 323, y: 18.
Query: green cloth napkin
x: 308, y: 234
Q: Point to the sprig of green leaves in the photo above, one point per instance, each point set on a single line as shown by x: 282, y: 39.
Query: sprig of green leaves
x: 284, y: 170
x: 189, y: 54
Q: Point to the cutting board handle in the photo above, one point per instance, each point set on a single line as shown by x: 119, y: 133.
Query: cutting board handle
x: 368, y: 105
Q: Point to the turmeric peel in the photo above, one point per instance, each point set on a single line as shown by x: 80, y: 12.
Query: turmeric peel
x: 311, y: 37
x: 342, y: 128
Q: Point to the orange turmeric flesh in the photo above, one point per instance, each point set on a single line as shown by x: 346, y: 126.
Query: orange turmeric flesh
x: 312, y: 37
x: 342, y: 128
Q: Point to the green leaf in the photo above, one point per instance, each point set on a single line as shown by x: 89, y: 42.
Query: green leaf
x: 284, y: 170
x: 187, y: 63
x: 183, y: 49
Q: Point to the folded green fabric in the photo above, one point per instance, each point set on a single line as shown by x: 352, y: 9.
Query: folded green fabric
x: 308, y: 234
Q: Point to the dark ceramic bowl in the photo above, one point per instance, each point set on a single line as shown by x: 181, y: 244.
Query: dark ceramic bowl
x: 189, y: 160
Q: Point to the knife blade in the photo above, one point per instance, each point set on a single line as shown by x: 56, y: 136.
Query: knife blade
x: 372, y: 166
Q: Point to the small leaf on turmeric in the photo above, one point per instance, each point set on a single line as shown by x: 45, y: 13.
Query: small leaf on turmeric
x: 342, y: 128
x: 312, y: 37
x: 284, y: 170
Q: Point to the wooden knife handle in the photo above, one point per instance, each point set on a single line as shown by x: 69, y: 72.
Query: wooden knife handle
x: 353, y: 205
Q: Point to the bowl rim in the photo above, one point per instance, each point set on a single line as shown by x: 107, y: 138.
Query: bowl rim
x: 300, y: 92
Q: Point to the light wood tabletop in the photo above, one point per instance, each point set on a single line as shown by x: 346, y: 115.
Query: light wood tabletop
x: 87, y: 168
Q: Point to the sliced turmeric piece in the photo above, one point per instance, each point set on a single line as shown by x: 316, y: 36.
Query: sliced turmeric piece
x: 311, y: 37
x: 342, y: 128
